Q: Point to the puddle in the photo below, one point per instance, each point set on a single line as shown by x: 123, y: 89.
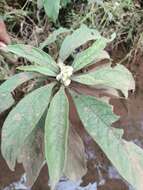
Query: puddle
x: 63, y: 184
x: 19, y: 185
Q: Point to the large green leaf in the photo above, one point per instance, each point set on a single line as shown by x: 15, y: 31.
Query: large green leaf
x: 97, y: 118
x: 33, y: 54
x: 91, y: 55
x: 117, y: 77
x: 39, y: 69
x: 6, y: 99
x: 76, y: 39
x: 53, y: 37
x: 76, y: 159
x: 52, y: 9
x: 21, y: 121
x: 32, y: 155
x: 56, y: 134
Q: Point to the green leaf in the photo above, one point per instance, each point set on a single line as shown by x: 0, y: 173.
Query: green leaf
x: 65, y: 2
x: 117, y: 77
x: 9, y: 85
x: 91, y: 55
x: 39, y: 69
x: 101, y: 110
x: 40, y: 4
x: 53, y: 37
x: 97, y: 118
x: 32, y: 155
x: 76, y: 159
x: 21, y: 121
x: 56, y: 136
x: 76, y: 39
x: 95, y: 1
x: 52, y: 9
x: 13, y: 82
x: 6, y: 101
x: 33, y: 54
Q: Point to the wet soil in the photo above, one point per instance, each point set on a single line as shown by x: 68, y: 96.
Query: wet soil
x: 100, y: 169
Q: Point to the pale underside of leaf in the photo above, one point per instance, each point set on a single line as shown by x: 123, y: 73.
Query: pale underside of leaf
x: 56, y: 136
x: 76, y: 159
x: 33, y: 54
x: 125, y: 156
x: 93, y: 54
x: 6, y: 99
x: 39, y: 69
x: 54, y: 36
x: 117, y: 77
x: 21, y: 121
x: 52, y: 9
x: 32, y: 155
x: 76, y: 39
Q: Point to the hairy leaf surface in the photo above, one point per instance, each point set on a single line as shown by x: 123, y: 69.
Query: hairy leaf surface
x: 91, y: 55
x: 76, y: 159
x: 32, y: 155
x: 39, y: 69
x: 52, y: 8
x: 117, y: 77
x: 76, y: 39
x: 53, y: 37
x: 97, y: 118
x: 21, y: 121
x: 6, y: 99
x: 33, y: 55
x: 56, y: 134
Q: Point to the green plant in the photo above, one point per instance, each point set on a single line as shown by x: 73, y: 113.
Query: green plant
x: 121, y: 16
x: 52, y: 7
x: 38, y: 129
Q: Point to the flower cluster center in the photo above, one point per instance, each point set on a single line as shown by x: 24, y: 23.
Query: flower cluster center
x: 65, y: 74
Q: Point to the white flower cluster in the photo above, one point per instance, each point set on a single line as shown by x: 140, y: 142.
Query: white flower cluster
x: 65, y: 74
